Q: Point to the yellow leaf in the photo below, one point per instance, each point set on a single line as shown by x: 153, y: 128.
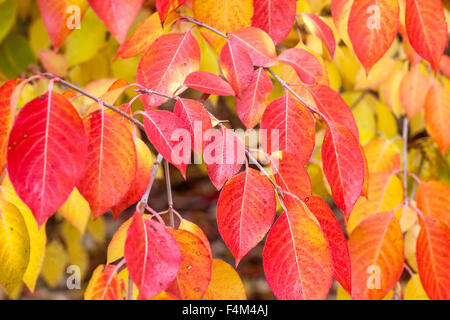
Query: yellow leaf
x: 225, y: 283
x: 380, y: 72
x: 382, y: 155
x: 55, y: 262
x: 97, y: 228
x: 223, y: 15
x: 38, y: 237
x: 334, y: 76
x: 76, y: 210
x: 414, y: 289
x: 386, y: 123
x: 14, y: 246
x: 390, y: 90
x: 76, y: 252
x: 123, y: 275
x: 408, y: 218
x: 410, y: 246
x: 117, y: 243
x: 348, y: 66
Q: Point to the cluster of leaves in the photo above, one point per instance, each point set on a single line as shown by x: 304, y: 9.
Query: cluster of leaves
x: 58, y: 152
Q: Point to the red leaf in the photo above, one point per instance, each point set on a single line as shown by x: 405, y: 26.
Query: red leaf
x: 336, y: 240
x: 321, y: 30
x: 142, y: 38
x: 142, y: 177
x: 432, y: 253
x: 236, y: 66
x: 224, y: 155
x: 110, y: 146
x: 46, y: 153
x: 427, y: 29
x: 165, y: 7
x: 372, y: 27
x: 290, y: 176
x: 296, y: 258
x: 152, y: 255
x: 343, y: 165
x: 165, y: 65
x: 330, y: 103
x: 56, y: 15
x: 305, y: 64
x: 257, y: 44
x: 117, y: 15
x: 164, y: 130
x: 276, y: 17
x: 376, y: 251
x: 195, y: 268
x: 6, y: 118
x: 250, y: 105
x: 196, y: 118
x: 208, y: 82
x: 245, y: 211
x: 289, y: 127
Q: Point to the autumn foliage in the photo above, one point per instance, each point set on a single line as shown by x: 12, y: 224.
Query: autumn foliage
x: 349, y: 101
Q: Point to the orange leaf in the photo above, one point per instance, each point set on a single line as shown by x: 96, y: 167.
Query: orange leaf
x: 225, y: 283
x: 296, y: 258
x: 427, y: 29
x: 433, y: 199
x: 437, y: 113
x: 165, y: 65
x: 433, y: 261
x: 382, y: 156
x: 6, y: 118
x: 195, y: 269
x: 413, y: 91
x: 372, y: 27
x: 142, y: 38
x: 165, y: 7
x: 376, y: 252
x: 110, y: 146
x: 193, y: 228
x: 105, y: 284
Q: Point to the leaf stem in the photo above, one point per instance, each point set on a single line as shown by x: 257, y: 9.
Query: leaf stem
x: 405, y: 159
x: 144, y: 200
x: 201, y: 24
x: 169, y: 193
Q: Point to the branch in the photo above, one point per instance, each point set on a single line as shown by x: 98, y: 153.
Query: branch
x: 405, y: 159
x: 201, y: 24
x: 169, y: 193
x: 144, y: 200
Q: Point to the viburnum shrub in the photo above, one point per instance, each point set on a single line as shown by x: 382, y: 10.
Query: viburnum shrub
x: 343, y: 98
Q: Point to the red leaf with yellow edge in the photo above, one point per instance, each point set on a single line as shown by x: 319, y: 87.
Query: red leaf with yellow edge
x: 46, y: 153
x: 196, y: 118
x: 195, y: 269
x: 144, y: 166
x: 224, y: 155
x: 6, y: 118
x: 257, y: 44
x: 225, y: 283
x: 223, y: 15
x: 236, y: 66
x: 376, y: 252
x: 287, y: 125
x: 117, y: 15
x: 413, y: 91
x: 245, y: 211
x: 382, y: 156
x: 162, y: 128
x: 291, y: 176
x: 152, y: 255
x: 336, y: 240
x: 209, y: 83
x: 343, y: 165
x: 142, y: 38
x: 372, y: 27
x: 432, y: 253
x: 427, y: 29
x: 276, y: 17
x: 330, y: 103
x: 437, y: 114
x: 340, y: 10
x: 110, y: 146
x: 58, y: 16
x: 321, y: 30
x: 105, y: 284
x: 195, y: 229
x: 250, y: 105
x: 165, y: 7
x: 165, y: 65
x: 305, y: 64
x: 433, y: 199
x: 296, y: 258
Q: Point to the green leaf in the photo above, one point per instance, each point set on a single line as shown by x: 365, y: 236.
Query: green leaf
x: 15, y: 55
x: 7, y: 17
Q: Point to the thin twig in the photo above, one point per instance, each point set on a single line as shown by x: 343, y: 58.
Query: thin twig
x: 144, y: 200
x: 405, y: 159
x: 169, y: 193
x: 201, y: 24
